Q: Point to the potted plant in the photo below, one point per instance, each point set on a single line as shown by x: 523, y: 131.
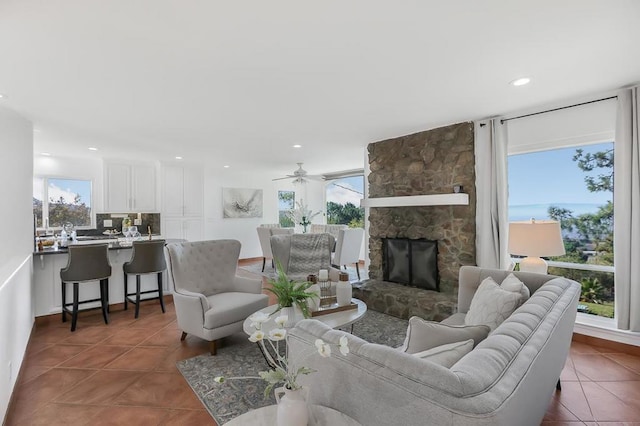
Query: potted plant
x: 291, y: 294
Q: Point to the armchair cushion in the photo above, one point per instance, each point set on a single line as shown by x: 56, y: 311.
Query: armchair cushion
x: 231, y: 307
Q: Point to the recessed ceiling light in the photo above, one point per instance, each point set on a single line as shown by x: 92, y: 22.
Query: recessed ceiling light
x: 520, y: 81
x: 2, y: 95
x: 91, y: 148
x: 297, y: 146
x: 178, y: 158
x: 46, y: 154
x: 36, y: 130
x: 226, y: 167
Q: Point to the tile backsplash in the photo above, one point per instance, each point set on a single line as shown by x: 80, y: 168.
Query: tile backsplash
x: 147, y: 219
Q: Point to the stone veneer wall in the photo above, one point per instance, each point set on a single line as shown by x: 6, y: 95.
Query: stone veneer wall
x: 425, y: 163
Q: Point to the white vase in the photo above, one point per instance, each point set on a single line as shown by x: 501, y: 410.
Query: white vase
x: 294, y: 315
x: 292, y: 407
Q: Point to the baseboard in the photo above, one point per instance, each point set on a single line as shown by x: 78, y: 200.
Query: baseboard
x: 607, y: 344
x: 48, y: 319
x: 18, y: 377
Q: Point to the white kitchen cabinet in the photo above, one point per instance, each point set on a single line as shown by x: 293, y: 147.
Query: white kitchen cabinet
x: 130, y: 187
x: 182, y: 191
x: 190, y: 229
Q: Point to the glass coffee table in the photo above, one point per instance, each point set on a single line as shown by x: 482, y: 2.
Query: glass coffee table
x: 333, y: 320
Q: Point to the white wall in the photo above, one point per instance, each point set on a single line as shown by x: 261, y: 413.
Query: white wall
x: 244, y: 230
x: 16, y: 278
x: 74, y: 168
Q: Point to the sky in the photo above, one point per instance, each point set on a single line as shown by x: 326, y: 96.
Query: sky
x: 552, y: 177
x: 346, y: 190
x: 67, y: 188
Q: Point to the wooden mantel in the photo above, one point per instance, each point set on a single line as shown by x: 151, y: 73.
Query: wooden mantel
x: 459, y: 199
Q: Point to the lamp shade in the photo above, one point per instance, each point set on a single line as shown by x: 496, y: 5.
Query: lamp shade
x: 536, y: 238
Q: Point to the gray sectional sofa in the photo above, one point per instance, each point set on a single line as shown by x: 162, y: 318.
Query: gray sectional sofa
x: 507, y: 379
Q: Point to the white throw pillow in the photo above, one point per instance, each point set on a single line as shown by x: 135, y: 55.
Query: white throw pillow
x: 491, y: 305
x: 447, y: 355
x: 512, y: 283
x: 423, y: 334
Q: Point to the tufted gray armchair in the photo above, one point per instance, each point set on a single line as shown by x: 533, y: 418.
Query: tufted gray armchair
x: 211, y: 301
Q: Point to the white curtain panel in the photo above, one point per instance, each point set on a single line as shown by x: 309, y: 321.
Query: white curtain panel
x: 626, y: 198
x: 491, y: 190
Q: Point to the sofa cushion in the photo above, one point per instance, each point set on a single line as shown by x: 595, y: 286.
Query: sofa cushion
x: 232, y: 307
x: 512, y: 283
x: 491, y: 305
x: 423, y: 335
x: 446, y: 355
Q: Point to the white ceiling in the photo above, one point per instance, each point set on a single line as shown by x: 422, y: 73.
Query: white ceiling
x: 240, y: 82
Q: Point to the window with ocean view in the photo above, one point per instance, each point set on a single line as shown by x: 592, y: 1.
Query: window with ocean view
x: 574, y: 186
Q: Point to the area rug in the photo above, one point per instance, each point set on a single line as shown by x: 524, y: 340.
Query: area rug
x: 239, y: 357
x: 269, y: 272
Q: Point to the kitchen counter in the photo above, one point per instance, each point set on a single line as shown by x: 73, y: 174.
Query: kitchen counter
x: 114, y: 244
x: 48, y: 263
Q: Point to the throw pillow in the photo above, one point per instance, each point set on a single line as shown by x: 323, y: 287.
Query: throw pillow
x: 447, y: 355
x: 491, y: 304
x: 512, y: 283
x: 423, y: 335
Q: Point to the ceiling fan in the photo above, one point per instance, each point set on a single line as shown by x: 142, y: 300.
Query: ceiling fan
x: 300, y: 175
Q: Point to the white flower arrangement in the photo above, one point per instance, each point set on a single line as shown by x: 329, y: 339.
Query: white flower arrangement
x: 283, y: 371
x: 302, y: 215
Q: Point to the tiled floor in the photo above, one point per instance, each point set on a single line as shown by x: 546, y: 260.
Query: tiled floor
x: 124, y: 373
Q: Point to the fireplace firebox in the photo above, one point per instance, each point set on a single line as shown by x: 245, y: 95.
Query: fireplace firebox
x: 412, y: 262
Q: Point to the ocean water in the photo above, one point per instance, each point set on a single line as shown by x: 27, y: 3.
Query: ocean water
x: 539, y: 211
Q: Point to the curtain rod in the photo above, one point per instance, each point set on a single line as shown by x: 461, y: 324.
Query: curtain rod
x: 557, y: 109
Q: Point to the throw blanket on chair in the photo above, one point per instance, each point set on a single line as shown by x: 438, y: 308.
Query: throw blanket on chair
x: 309, y: 254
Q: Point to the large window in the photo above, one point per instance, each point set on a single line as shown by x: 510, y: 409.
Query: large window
x: 57, y: 200
x: 343, y: 201
x: 575, y: 187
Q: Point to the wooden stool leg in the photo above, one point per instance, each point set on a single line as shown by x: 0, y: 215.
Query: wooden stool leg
x: 264, y: 261
x: 137, y: 295
x: 358, y: 271
x: 212, y: 347
x: 160, y: 295
x: 64, y: 300
x: 184, y: 336
x: 74, y: 313
x: 104, y: 284
x: 126, y: 291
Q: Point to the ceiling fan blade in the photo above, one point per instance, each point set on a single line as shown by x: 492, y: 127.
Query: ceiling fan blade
x: 286, y: 177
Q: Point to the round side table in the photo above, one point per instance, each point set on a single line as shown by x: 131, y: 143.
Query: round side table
x: 318, y: 416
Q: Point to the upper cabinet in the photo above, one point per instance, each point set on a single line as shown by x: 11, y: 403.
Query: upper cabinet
x: 182, y: 191
x: 130, y: 187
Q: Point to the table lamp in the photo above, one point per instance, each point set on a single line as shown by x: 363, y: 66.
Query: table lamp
x: 535, y: 239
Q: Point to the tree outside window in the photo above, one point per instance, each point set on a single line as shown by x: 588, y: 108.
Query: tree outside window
x: 343, y: 199
x: 286, y: 202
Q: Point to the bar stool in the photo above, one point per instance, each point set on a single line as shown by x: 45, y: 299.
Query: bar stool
x: 86, y: 263
x: 147, y: 258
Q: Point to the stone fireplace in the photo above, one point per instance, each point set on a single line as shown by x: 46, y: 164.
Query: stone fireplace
x: 425, y: 163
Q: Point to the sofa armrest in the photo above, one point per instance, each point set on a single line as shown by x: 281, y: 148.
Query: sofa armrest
x: 247, y: 285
